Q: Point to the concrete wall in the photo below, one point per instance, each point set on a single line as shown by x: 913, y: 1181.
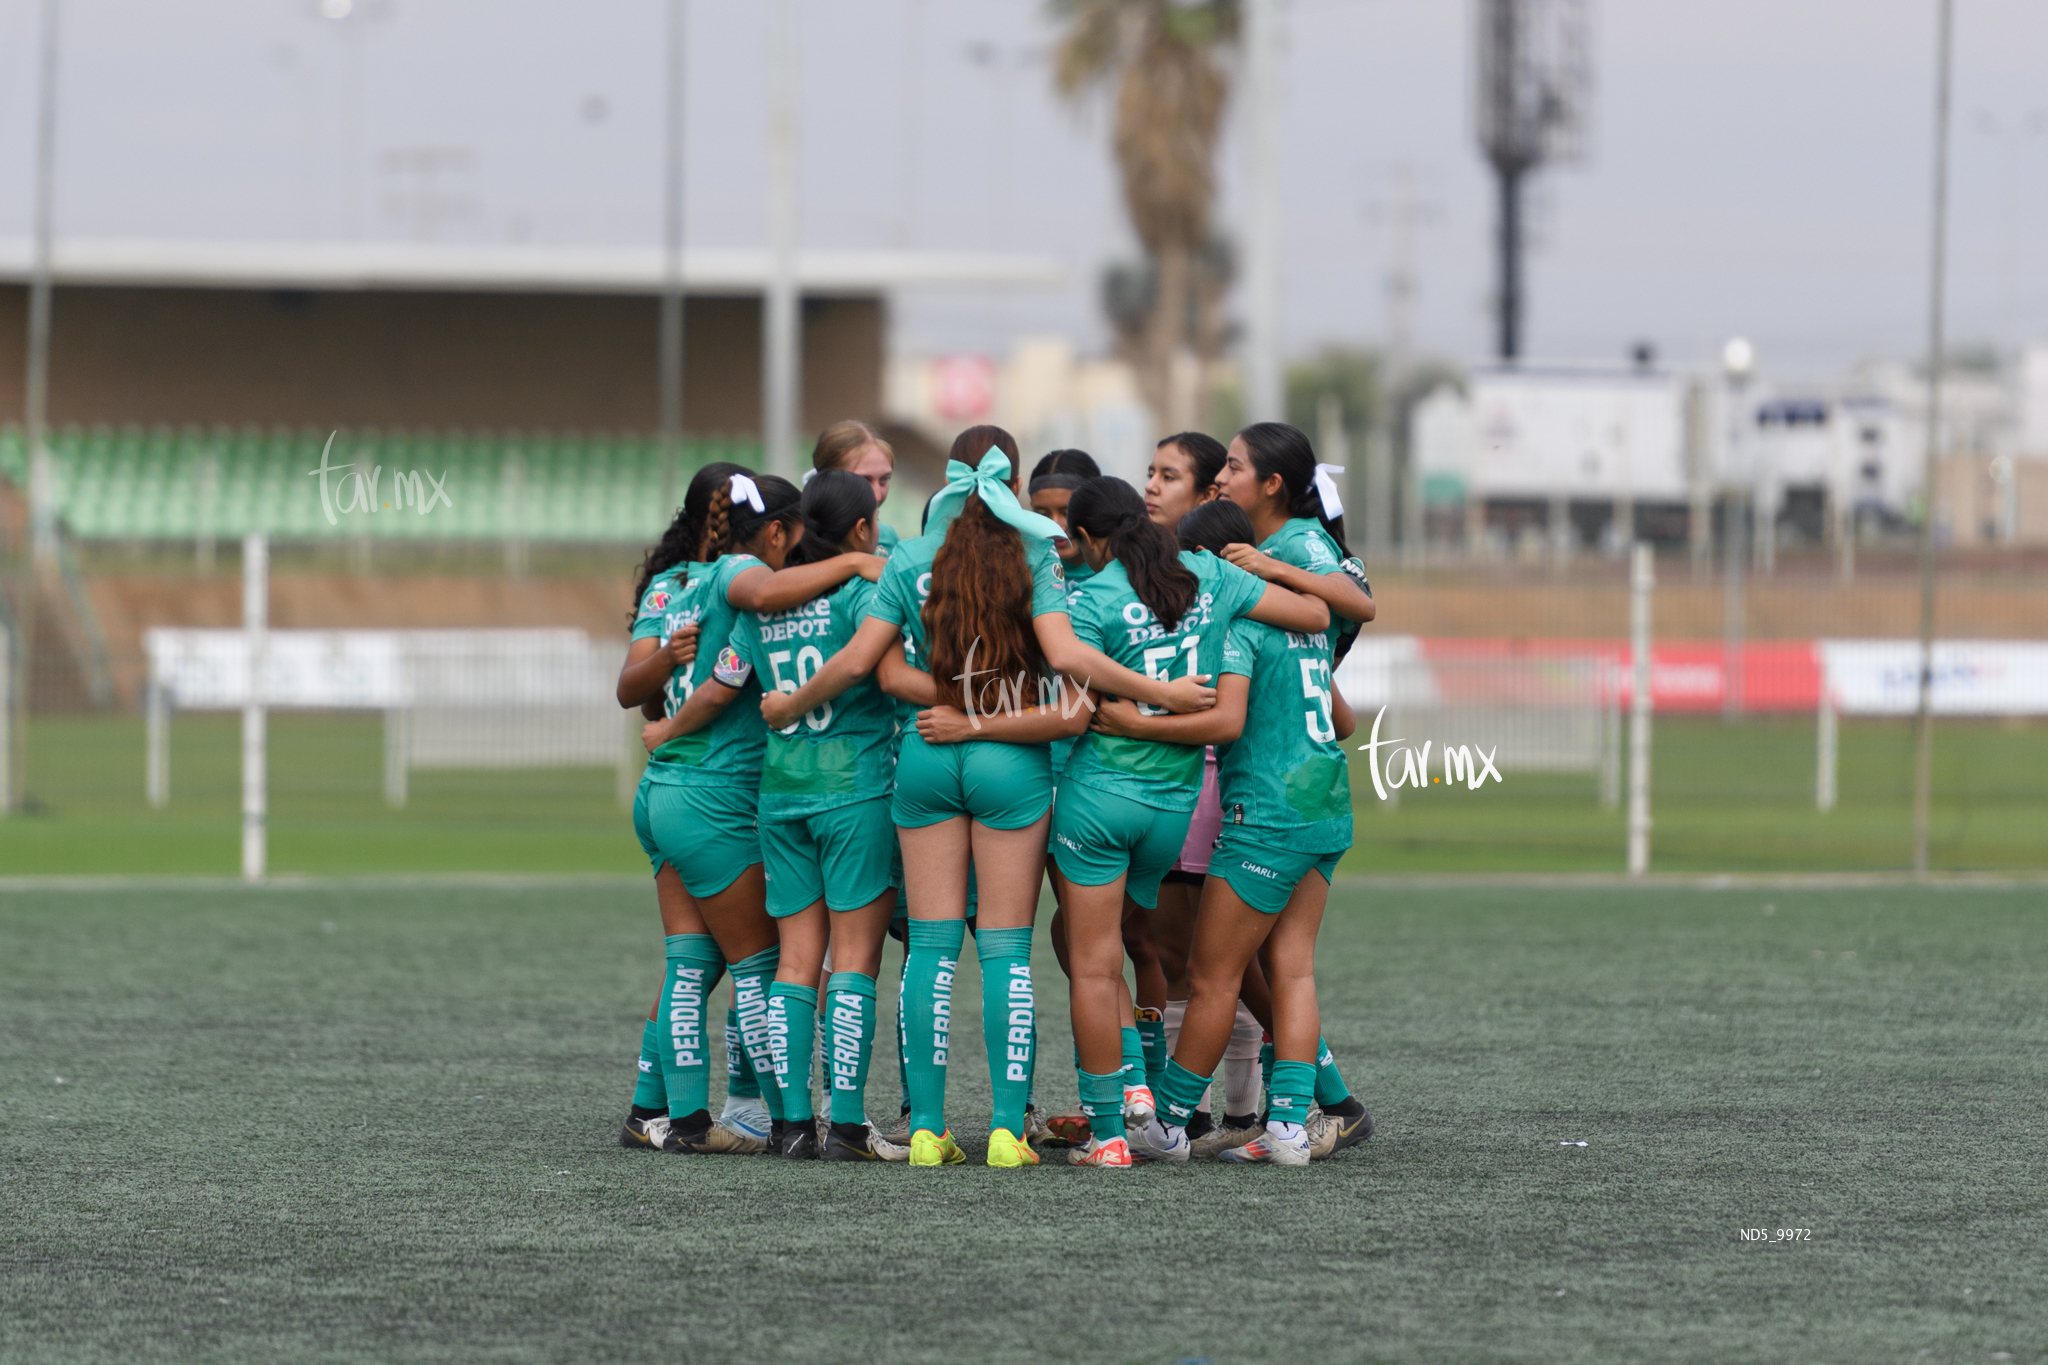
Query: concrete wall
x: 414, y: 359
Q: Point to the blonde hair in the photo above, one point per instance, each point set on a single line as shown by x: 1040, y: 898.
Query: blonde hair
x: 838, y: 443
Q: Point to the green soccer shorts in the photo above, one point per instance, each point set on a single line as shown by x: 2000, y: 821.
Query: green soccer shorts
x: 841, y: 856
x: 1098, y: 836
x: 708, y: 834
x: 1264, y: 877
x: 1003, y: 786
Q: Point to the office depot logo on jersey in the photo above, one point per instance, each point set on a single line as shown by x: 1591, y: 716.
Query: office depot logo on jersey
x: 1462, y: 762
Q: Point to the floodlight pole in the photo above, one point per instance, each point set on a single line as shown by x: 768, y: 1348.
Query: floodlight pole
x: 1265, y: 394
x: 780, y: 339
x: 1923, y: 717
x: 672, y: 270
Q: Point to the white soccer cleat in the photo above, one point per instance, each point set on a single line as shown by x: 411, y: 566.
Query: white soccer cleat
x: 1139, y: 1106
x: 1271, y: 1150
x: 1214, y: 1143
x: 1157, y: 1142
x: 1112, y: 1154
x: 884, y: 1148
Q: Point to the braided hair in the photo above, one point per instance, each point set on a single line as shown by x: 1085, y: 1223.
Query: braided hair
x: 1113, y: 514
x: 730, y: 526
x: 685, y: 534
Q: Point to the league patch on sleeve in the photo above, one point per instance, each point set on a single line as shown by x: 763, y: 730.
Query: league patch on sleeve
x: 731, y: 669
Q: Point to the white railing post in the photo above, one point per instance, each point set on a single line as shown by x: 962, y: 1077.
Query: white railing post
x: 1642, y: 580
x: 255, y: 628
x: 1826, y: 747
x: 157, y: 711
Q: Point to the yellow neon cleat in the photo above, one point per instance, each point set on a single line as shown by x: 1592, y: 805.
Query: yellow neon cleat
x: 935, y: 1149
x: 1006, y: 1149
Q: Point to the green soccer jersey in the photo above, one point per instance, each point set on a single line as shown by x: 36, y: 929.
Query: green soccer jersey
x: 838, y: 753
x: 1285, y: 775
x: 1302, y: 542
x: 887, y: 538
x: 1109, y: 615
x: 728, y: 750
x: 907, y: 583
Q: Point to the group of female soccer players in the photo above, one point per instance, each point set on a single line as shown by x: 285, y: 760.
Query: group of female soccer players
x: 853, y: 736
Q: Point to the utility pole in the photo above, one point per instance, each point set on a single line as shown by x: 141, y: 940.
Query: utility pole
x: 1403, y: 215
x: 672, y: 270
x: 1265, y: 390
x: 781, y: 339
x: 1923, y: 716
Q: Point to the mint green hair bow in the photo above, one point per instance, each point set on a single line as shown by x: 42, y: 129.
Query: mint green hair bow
x: 991, y: 480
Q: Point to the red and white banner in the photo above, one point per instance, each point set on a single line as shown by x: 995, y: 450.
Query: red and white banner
x: 1865, y: 677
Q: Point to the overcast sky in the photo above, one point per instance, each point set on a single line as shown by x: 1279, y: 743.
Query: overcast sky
x: 1756, y: 166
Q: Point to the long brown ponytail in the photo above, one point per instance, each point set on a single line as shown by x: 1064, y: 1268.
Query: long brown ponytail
x: 981, y: 605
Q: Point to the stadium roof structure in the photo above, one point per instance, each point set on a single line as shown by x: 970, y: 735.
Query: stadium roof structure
x: 493, y: 268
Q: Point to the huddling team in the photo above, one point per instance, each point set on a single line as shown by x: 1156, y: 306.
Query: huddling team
x: 853, y: 737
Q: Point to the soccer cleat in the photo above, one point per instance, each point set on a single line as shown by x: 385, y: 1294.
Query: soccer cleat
x: 800, y: 1141
x: 645, y: 1135
x: 1200, y: 1125
x: 1217, y: 1141
x: 1157, y: 1142
x: 727, y: 1141
x: 897, y: 1133
x: 1006, y: 1149
x: 1271, y: 1150
x: 1329, y: 1134
x: 746, y: 1116
x: 1139, y: 1106
x: 1035, y: 1127
x: 935, y: 1149
x: 849, y: 1142
x: 1111, y: 1154
x: 687, y: 1135
x: 1068, y: 1130
x: 886, y: 1149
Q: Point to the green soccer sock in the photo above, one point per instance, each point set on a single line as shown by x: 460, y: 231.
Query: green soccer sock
x: 928, y: 1016
x: 850, y: 1043
x: 1152, y: 1034
x: 1266, y: 1071
x: 1294, y: 1088
x: 1330, y: 1088
x: 694, y: 963
x: 1180, y: 1091
x: 1102, y: 1100
x: 1134, y: 1056
x: 792, y: 1038
x: 750, y: 999
x: 1008, y: 1011
x: 740, y: 1080
x: 649, y: 1092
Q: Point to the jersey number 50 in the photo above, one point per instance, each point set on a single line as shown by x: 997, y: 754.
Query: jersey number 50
x: 809, y: 660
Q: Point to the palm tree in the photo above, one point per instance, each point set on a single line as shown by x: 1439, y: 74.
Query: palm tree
x: 1161, y: 56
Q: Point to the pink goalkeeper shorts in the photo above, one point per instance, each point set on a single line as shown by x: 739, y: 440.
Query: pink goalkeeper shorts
x: 1207, y: 822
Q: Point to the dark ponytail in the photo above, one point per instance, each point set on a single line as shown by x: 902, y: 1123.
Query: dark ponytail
x: 1206, y: 456
x: 1212, y: 525
x: 834, y: 502
x: 1112, y: 512
x: 1277, y: 448
x: 731, y: 526
x: 685, y: 533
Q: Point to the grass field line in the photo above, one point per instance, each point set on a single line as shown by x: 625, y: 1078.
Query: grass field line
x: 522, y: 881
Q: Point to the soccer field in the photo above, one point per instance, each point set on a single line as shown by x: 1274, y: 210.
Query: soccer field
x: 379, y: 1122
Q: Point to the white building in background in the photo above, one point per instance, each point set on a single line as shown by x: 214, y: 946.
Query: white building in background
x: 1582, y: 448
x: 1043, y: 393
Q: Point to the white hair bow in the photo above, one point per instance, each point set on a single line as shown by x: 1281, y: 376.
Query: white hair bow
x: 747, y: 491
x: 1326, y: 489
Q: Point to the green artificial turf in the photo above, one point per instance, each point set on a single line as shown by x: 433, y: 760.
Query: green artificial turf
x: 1724, y: 799
x: 378, y: 1122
